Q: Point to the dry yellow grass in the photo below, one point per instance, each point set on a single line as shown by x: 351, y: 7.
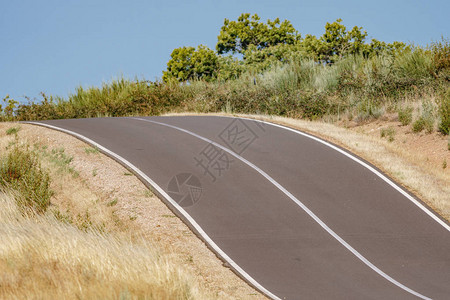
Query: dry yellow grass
x: 43, y: 258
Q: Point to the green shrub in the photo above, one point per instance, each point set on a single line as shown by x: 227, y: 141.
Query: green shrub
x: 90, y: 150
x: 7, y: 112
x: 389, y: 133
x: 429, y: 124
x: 405, y: 115
x: 368, y: 108
x: 313, y: 106
x: 441, y: 58
x: 414, y: 67
x: 444, y: 112
x: 12, y: 130
x: 21, y: 171
x: 428, y: 115
x: 426, y: 120
x: 418, y: 125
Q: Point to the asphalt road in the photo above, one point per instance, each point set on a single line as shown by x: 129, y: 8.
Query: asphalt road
x: 294, y: 216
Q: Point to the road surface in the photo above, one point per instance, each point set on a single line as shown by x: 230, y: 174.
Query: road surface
x: 296, y: 217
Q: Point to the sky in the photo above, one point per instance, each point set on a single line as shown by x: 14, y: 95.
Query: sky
x: 56, y: 46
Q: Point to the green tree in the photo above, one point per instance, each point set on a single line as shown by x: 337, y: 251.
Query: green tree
x: 261, y: 59
x: 188, y: 63
x: 338, y: 42
x: 237, y: 36
x: 7, y: 113
x: 229, y: 68
x: 377, y: 47
x: 313, y: 46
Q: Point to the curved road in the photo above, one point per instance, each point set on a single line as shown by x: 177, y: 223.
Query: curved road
x: 294, y: 216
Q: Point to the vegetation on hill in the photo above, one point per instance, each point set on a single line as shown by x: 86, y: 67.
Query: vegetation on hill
x: 271, y: 68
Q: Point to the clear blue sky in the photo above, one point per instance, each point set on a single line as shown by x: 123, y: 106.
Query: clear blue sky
x: 55, y: 46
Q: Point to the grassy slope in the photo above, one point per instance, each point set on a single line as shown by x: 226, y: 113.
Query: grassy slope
x: 44, y: 258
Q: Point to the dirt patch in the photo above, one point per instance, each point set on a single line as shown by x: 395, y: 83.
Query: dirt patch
x: 429, y: 149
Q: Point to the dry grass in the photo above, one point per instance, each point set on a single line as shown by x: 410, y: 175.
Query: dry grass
x: 408, y: 166
x: 43, y: 258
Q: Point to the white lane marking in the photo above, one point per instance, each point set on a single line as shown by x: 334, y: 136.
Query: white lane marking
x: 387, y: 180
x: 299, y: 203
x: 205, y: 236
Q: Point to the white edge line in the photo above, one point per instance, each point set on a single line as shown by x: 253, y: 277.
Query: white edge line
x: 300, y: 204
x: 197, y: 227
x: 376, y: 172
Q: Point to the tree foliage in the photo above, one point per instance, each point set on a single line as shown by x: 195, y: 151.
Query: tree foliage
x: 338, y: 41
x: 262, y: 59
x: 229, y: 67
x: 188, y: 63
x: 261, y: 45
x: 238, y: 36
x: 7, y: 112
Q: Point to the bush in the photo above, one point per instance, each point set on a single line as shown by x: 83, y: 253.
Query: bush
x: 405, y: 115
x: 389, y: 133
x: 441, y: 58
x: 7, y: 112
x: 428, y: 115
x: 414, y: 67
x: 368, y: 108
x: 426, y: 120
x: 418, y: 125
x: 21, y: 171
x: 314, y: 106
x: 444, y: 112
x: 12, y: 130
